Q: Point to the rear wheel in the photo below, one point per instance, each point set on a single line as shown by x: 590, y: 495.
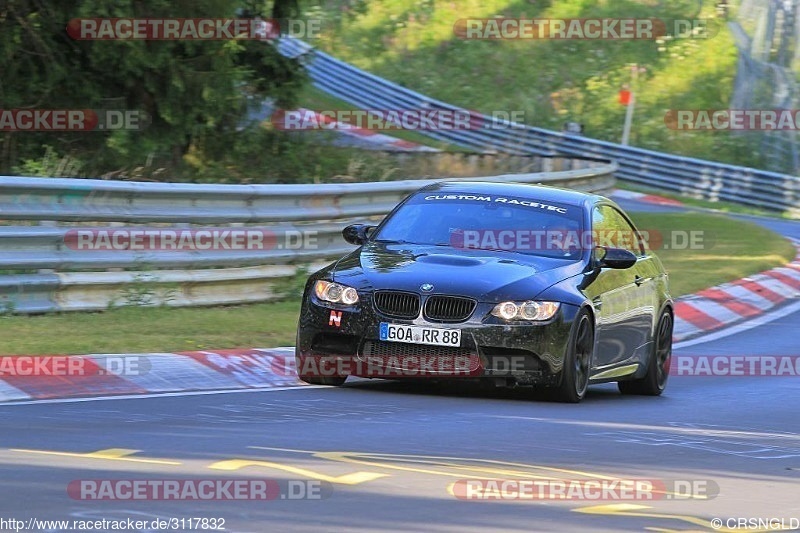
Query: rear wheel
x: 577, y: 361
x: 655, y: 381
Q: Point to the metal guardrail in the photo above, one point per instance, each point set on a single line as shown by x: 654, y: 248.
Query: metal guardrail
x: 685, y: 175
x: 190, y: 277
x: 65, y: 199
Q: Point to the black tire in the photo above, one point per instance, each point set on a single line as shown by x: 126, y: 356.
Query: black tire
x: 334, y: 381
x: 577, y: 361
x: 655, y: 380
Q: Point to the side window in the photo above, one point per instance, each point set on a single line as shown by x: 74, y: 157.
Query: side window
x: 599, y: 219
x: 629, y: 239
x: 612, y: 229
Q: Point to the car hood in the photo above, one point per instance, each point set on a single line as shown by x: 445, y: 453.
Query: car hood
x: 487, y: 276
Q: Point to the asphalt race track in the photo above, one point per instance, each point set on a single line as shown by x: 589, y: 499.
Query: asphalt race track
x: 385, y: 455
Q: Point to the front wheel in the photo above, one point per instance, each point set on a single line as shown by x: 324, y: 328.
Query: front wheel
x: 577, y: 361
x: 655, y: 381
x: 314, y: 378
x: 334, y: 381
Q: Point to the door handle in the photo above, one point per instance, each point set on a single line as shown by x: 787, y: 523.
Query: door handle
x: 638, y: 280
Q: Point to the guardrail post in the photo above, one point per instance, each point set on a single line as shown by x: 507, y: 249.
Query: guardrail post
x: 48, y: 224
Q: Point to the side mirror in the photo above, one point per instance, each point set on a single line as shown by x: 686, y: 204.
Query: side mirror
x: 357, y: 233
x: 617, y: 258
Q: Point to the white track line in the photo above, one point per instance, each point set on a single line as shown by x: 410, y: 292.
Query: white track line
x: 158, y: 395
x: 743, y: 326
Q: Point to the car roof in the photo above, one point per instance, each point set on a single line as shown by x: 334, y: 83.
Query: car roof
x: 522, y: 190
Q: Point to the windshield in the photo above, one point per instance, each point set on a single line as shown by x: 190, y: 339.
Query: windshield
x: 486, y: 222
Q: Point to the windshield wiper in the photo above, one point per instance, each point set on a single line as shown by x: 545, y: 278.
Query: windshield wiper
x: 401, y: 241
x: 393, y: 241
x: 489, y: 249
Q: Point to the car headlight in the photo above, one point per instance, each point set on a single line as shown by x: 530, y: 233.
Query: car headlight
x: 337, y: 293
x: 529, y: 310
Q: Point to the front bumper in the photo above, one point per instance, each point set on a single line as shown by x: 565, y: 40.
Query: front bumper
x: 347, y: 342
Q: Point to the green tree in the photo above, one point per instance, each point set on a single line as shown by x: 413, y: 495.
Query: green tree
x: 195, y: 92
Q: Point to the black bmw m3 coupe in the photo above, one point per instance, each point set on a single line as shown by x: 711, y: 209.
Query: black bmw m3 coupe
x: 509, y: 283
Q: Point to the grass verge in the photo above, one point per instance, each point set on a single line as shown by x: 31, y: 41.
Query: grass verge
x: 736, y: 249
x: 151, y: 329
x: 732, y: 249
x: 718, y: 205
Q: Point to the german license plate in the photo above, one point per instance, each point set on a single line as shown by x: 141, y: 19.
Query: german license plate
x: 420, y: 335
